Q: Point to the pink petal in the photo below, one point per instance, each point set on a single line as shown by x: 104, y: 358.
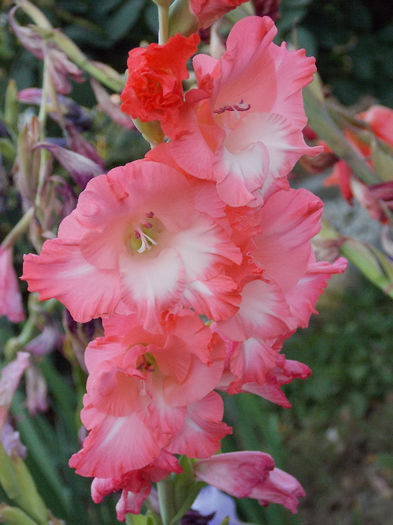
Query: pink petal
x: 62, y: 273
x: 201, y: 434
x: 236, y: 473
x: 116, y: 446
x: 280, y: 487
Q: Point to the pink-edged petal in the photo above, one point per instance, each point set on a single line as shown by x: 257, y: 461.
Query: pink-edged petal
x: 117, y: 445
x: 198, y: 133
x: 248, y: 71
x: 217, y: 297
x: 205, y: 67
x: 241, y: 173
x: 115, y: 392
x: 201, y: 380
x: 60, y: 272
x: 203, y: 244
x: 236, y: 473
x: 203, y: 429
x: 303, y: 297
x: 263, y: 312
x: 280, y: 487
x: 270, y: 391
x: 289, y: 219
x: 295, y: 71
x: 131, y: 502
x: 253, y: 360
x: 283, y: 374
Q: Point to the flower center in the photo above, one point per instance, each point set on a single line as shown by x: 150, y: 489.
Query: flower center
x: 146, y: 363
x: 141, y: 237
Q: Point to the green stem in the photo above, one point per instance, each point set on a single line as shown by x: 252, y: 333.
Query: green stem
x: 166, y: 499
x: 44, y: 154
x: 18, y: 230
x: 163, y: 17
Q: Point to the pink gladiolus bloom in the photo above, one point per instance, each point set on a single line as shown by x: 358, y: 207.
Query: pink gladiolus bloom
x: 10, y: 298
x: 250, y: 475
x: 242, y: 126
x: 140, y: 240
x: 149, y: 392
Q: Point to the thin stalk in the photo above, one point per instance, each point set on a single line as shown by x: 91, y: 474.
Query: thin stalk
x: 163, y: 17
x: 18, y: 230
x: 44, y: 155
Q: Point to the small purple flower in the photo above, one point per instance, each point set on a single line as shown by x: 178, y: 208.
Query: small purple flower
x: 214, y: 505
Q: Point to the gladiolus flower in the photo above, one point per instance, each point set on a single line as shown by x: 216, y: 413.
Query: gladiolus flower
x: 243, y: 126
x: 154, y: 88
x: 137, y: 242
x: 150, y: 392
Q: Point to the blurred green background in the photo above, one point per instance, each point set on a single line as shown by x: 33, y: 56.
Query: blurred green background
x: 337, y: 438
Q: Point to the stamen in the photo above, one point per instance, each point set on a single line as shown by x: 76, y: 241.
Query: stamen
x: 146, y: 241
x: 150, y: 215
x: 147, y: 225
x: 235, y: 107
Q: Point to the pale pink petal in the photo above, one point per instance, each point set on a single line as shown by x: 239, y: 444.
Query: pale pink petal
x: 203, y: 244
x: 253, y: 360
x: 216, y: 297
x: 201, y: 434
x: 116, y: 446
x: 303, y: 297
x: 289, y: 219
x: 236, y: 472
x: 280, y: 487
x: 62, y: 273
x: 201, y: 380
x: 241, y: 173
x: 270, y: 391
x: 263, y: 312
x: 131, y: 502
x: 248, y: 71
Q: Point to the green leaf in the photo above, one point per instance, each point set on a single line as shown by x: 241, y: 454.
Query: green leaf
x: 14, y: 516
x: 133, y: 519
x: 39, y: 453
